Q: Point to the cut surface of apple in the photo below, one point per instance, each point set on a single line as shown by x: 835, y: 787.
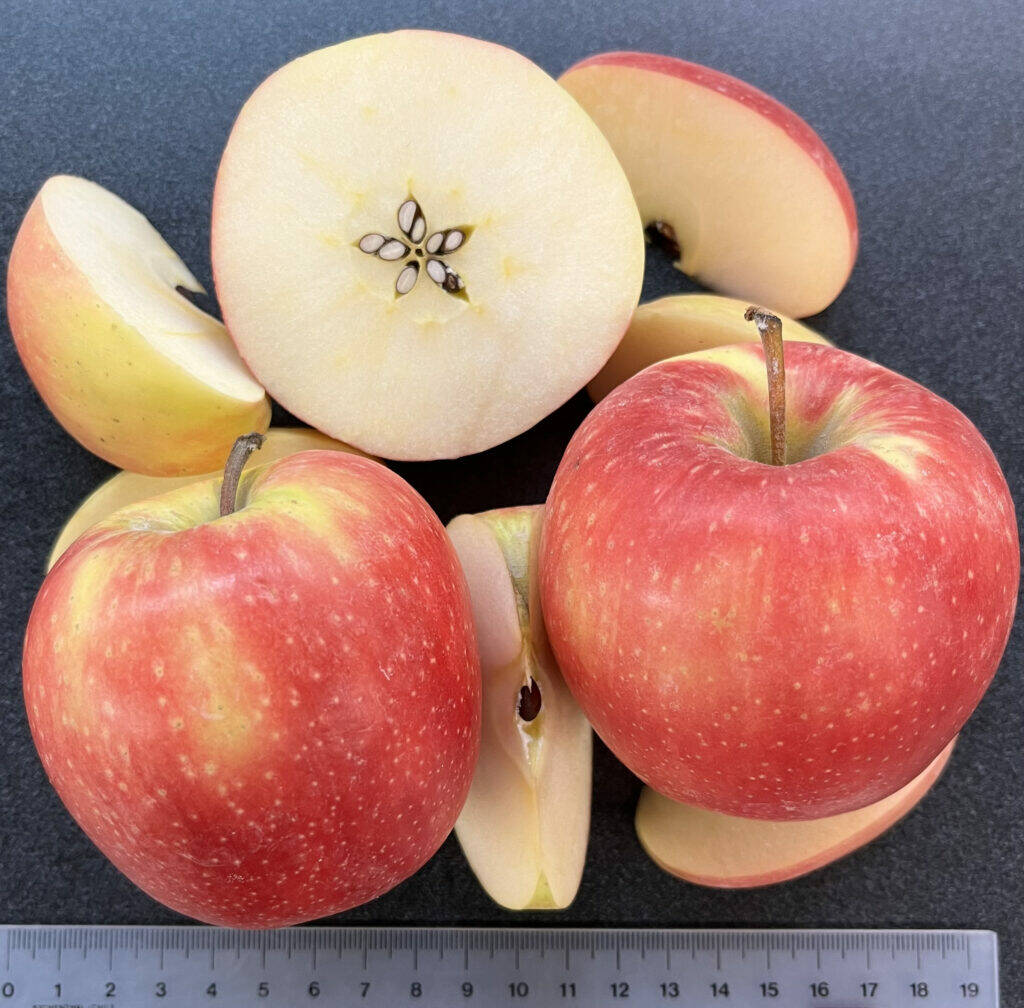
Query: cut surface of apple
x: 129, y: 366
x: 524, y: 826
x: 729, y: 852
x: 681, y: 324
x: 739, y: 188
x: 129, y: 488
x: 403, y: 221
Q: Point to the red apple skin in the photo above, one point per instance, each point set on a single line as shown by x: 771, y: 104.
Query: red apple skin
x: 778, y: 642
x: 268, y: 717
x: 746, y: 94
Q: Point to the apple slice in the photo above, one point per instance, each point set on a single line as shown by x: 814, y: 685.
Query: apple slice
x: 524, y: 826
x: 130, y: 367
x: 729, y: 852
x: 714, y: 161
x: 681, y: 324
x: 403, y: 221
x: 129, y: 488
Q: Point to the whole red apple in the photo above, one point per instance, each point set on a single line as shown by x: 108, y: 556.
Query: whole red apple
x: 778, y: 641
x: 267, y: 716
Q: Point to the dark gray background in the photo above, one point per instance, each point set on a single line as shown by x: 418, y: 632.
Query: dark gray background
x: 921, y: 102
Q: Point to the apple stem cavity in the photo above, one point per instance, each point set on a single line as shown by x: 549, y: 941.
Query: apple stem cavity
x: 770, y: 329
x: 240, y: 452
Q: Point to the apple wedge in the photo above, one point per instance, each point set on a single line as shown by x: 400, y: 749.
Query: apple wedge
x: 524, y: 826
x: 130, y: 367
x: 714, y: 162
x: 129, y: 488
x: 402, y: 221
x: 681, y: 324
x: 729, y: 852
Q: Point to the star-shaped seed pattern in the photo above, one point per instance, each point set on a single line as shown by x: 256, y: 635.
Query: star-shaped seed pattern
x: 413, y: 226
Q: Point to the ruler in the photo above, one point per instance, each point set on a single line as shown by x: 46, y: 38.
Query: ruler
x: 310, y: 967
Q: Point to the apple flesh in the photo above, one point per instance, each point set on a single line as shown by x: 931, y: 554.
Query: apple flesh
x: 130, y: 488
x: 778, y: 641
x: 414, y: 210
x: 681, y: 324
x: 269, y: 716
x: 129, y: 366
x: 717, y: 160
x: 525, y: 822
x: 728, y: 852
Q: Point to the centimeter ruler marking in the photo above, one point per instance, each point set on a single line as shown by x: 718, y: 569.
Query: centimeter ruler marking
x: 309, y: 967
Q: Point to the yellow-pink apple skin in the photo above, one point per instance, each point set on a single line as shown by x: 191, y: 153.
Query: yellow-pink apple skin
x: 680, y: 324
x: 728, y: 852
x: 265, y: 717
x: 778, y: 641
x: 109, y: 389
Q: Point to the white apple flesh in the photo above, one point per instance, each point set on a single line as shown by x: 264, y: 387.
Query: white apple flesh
x: 401, y: 220
x: 524, y: 825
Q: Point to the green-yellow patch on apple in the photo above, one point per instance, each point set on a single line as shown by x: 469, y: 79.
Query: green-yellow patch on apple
x: 129, y: 488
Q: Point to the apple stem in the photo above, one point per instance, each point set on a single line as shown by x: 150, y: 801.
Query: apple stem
x: 240, y: 452
x: 769, y: 327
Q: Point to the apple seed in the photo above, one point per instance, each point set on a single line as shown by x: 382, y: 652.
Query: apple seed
x: 663, y: 236
x: 529, y: 701
x: 414, y: 226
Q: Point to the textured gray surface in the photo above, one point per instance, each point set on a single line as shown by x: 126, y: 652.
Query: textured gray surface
x: 922, y: 105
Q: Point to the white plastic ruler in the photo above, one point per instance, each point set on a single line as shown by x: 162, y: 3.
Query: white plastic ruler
x: 310, y: 967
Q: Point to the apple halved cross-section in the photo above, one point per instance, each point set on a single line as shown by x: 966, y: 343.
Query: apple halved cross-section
x: 129, y: 366
x: 524, y: 825
x: 389, y: 246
